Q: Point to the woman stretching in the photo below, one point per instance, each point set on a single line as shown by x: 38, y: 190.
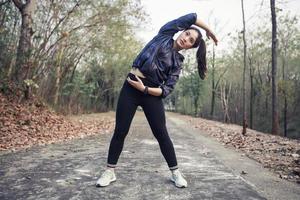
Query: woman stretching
x: 153, y: 76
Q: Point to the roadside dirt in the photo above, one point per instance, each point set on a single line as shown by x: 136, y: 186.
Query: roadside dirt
x: 279, y: 154
x: 23, y: 125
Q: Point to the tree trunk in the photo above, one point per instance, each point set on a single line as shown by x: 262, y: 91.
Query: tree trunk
x: 24, y: 48
x: 213, y: 87
x: 284, y: 94
x: 23, y: 67
x: 196, y: 106
x: 225, y: 92
x: 58, y: 76
x: 285, y: 116
x: 275, y: 122
x: 244, y: 72
x: 251, y: 92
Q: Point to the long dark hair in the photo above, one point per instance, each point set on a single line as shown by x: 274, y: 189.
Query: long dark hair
x: 201, y: 53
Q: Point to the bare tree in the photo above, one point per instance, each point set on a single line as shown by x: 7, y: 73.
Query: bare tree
x: 251, y: 70
x: 275, y: 121
x: 244, y: 71
x: 214, y: 85
x: 215, y: 80
x: 225, y: 89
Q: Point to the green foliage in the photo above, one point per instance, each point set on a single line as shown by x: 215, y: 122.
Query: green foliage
x: 9, y: 22
x: 82, y: 51
x: 193, y: 94
x: 111, y: 50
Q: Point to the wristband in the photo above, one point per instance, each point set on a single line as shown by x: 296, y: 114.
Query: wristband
x: 146, y: 90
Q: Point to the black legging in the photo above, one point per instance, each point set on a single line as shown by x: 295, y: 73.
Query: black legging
x: 129, y: 99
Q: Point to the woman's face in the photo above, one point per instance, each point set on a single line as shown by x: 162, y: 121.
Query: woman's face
x: 187, y: 39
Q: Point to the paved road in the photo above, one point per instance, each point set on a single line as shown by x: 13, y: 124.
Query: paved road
x: 69, y: 170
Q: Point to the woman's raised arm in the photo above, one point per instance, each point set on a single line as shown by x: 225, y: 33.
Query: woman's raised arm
x: 209, y: 33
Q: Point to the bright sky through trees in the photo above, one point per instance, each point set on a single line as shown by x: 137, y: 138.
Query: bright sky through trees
x: 227, y: 13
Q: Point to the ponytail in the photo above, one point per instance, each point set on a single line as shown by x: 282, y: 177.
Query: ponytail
x: 201, y: 59
x: 201, y: 53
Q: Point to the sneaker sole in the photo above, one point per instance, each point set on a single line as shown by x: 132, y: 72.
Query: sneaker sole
x: 177, y: 185
x: 98, y: 185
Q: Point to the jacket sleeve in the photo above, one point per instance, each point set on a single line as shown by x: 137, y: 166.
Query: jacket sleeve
x: 179, y: 24
x: 169, y: 85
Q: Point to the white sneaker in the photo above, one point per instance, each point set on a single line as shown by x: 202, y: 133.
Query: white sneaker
x: 178, y: 179
x: 106, y: 178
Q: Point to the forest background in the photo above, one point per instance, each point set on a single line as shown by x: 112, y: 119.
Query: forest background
x: 75, y: 55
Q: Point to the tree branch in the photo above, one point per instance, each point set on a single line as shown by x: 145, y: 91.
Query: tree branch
x: 19, y: 4
x: 46, y: 39
x: 220, y: 77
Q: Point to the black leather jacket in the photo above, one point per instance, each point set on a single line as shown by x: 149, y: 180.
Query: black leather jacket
x: 158, y: 60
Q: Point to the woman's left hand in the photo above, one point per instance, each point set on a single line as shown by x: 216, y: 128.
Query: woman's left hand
x: 211, y: 35
x: 136, y: 84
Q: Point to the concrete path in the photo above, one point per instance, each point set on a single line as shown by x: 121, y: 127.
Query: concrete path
x: 69, y: 170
